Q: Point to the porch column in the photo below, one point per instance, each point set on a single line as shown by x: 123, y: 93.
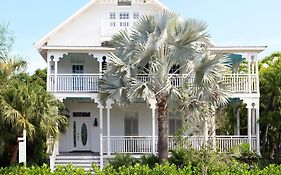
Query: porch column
x: 249, y: 73
x: 100, y: 106
x: 56, y: 73
x: 49, y: 59
x: 108, y: 107
x: 249, y: 107
x: 56, y: 58
x: 238, y: 121
x: 253, y: 121
x: 152, y: 103
x: 100, y: 66
x: 258, y: 128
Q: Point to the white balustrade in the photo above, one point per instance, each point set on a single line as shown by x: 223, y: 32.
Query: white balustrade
x: 143, y: 144
x: 237, y: 83
x: 74, y: 83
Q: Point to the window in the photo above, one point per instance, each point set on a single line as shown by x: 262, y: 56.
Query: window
x: 124, y: 15
x: 81, y: 114
x: 112, y: 15
x: 175, y: 69
x: 112, y: 24
x: 77, y: 69
x: 124, y: 24
x: 175, y: 123
x: 136, y: 15
x: 131, y: 124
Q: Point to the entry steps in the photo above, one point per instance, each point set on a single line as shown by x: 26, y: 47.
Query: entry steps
x: 84, y: 161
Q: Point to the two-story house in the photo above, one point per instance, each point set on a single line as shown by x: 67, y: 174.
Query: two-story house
x: 76, y: 55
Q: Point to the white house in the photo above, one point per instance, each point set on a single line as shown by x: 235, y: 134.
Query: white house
x: 76, y: 54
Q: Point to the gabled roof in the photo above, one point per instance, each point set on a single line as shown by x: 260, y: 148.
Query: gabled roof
x: 43, y: 40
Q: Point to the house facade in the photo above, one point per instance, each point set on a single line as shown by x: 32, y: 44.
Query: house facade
x: 76, y: 55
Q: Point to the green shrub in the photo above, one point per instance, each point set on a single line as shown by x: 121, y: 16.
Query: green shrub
x: 122, y: 160
x: 243, y: 154
x: 70, y: 170
x: 149, y: 160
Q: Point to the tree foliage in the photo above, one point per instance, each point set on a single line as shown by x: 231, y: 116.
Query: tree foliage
x: 270, y: 87
x: 147, y: 62
x: 24, y: 105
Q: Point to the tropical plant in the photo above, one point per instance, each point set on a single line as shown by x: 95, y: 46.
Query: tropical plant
x: 148, y: 61
x: 24, y: 104
x: 270, y: 107
x: 27, y: 106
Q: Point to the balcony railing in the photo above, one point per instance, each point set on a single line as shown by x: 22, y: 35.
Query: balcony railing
x: 143, y: 144
x: 237, y: 83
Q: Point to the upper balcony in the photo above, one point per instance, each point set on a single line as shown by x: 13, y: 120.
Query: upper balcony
x: 238, y: 84
x: 72, y: 74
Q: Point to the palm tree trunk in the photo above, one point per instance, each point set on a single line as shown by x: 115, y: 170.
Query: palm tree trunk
x: 162, y: 127
x: 13, y: 152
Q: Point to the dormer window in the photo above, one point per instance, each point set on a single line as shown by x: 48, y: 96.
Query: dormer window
x: 124, y: 15
x: 112, y: 15
x: 136, y: 15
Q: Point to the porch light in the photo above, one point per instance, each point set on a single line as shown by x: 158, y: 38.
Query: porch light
x: 96, y: 122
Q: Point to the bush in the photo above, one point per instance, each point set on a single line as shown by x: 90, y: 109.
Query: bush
x: 236, y: 168
x: 150, y: 160
x: 122, y: 160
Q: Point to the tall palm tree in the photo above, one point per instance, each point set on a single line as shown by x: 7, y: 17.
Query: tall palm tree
x: 162, y: 48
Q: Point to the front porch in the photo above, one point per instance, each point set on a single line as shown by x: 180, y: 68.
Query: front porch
x: 143, y: 144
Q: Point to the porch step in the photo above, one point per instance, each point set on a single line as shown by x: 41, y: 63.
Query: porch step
x: 83, y: 161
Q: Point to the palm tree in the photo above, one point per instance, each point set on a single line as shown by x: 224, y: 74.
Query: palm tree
x: 163, y: 47
x: 23, y: 105
x: 27, y: 106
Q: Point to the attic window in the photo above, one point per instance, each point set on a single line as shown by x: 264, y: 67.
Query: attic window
x: 124, y: 2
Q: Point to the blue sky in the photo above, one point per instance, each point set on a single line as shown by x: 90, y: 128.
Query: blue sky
x: 231, y: 22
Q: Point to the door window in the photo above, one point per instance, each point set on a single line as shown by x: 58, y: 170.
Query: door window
x: 77, y: 69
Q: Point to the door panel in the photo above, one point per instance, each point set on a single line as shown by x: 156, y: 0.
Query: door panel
x: 81, y: 134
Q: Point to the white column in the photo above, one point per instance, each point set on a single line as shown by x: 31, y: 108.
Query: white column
x: 249, y: 76
x: 257, y: 76
x: 258, y: 128
x: 253, y: 121
x: 152, y: 103
x: 249, y: 107
x: 56, y: 58
x: 56, y: 73
x: 238, y: 121
x: 48, y: 72
x: 108, y: 107
x: 100, y: 106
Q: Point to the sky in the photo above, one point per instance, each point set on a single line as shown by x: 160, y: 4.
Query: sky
x: 230, y: 22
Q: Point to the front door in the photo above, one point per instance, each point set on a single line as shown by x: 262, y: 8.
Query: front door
x: 78, y: 83
x: 81, y: 131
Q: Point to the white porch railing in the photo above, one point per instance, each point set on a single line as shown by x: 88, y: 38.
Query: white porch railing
x: 238, y: 83
x: 74, y: 83
x: 143, y: 144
